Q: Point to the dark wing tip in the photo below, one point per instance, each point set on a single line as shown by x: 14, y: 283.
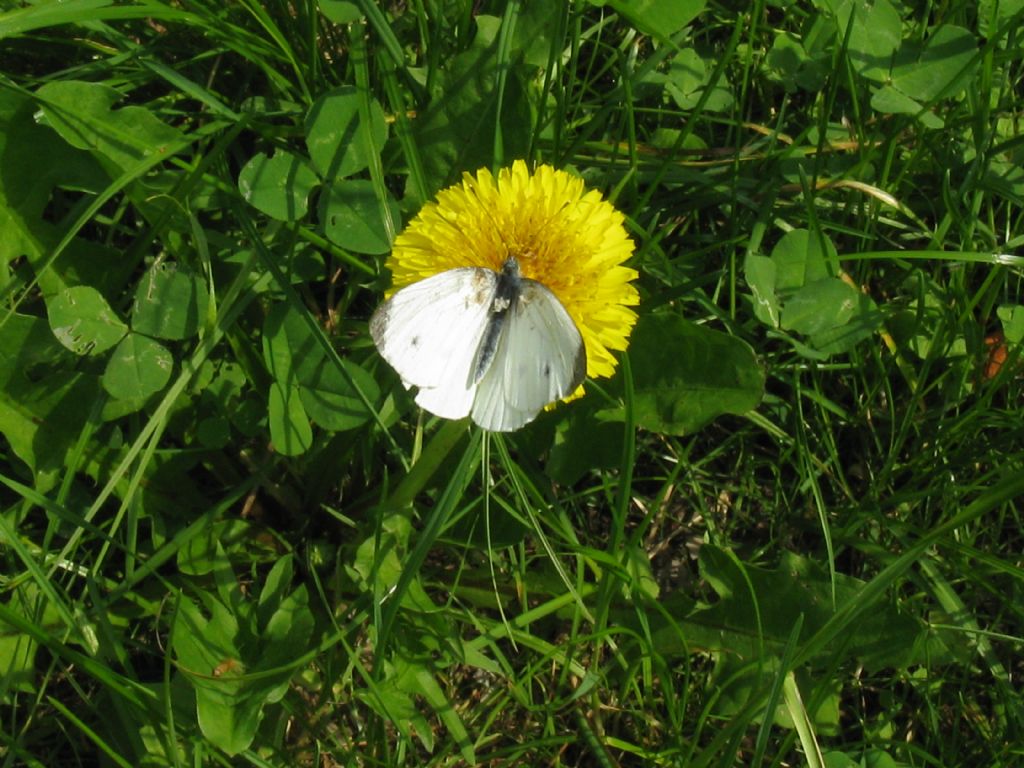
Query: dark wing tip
x: 379, y: 323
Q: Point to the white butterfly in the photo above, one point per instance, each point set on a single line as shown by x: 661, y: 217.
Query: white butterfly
x: 496, y: 346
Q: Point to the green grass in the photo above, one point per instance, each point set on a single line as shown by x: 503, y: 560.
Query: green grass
x: 787, y: 532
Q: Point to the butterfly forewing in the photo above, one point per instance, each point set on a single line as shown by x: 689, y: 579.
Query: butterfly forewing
x: 430, y: 332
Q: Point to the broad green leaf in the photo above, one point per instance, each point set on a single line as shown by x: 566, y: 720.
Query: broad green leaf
x: 820, y: 305
x: 685, y: 76
x: 170, y: 303
x: 288, y: 630
x: 1012, y: 317
x: 865, y: 320
x: 278, y: 350
x: 947, y: 60
x: 83, y: 322
x: 17, y: 650
x: 535, y: 26
x: 335, y: 137
x: 290, y: 430
x: 275, y: 589
x: 17, y: 240
x: 392, y: 703
x: 377, y: 564
x: 17, y: 660
x: 87, y: 262
x: 83, y: 114
x: 329, y: 397
x: 790, y: 64
x: 237, y: 668
x: 760, y: 273
x: 884, y: 637
x: 228, y: 716
x: 138, y: 368
x: 685, y: 375
x: 41, y: 423
x: 640, y: 576
x: 686, y: 80
x: 875, y: 35
x: 583, y: 443
x: 202, y: 554
x: 658, y: 18
x: 802, y: 257
x: 214, y: 432
x: 1004, y: 10
x: 202, y: 644
x: 426, y: 685
x: 228, y: 721
x: 352, y: 217
x: 159, y: 747
x: 840, y: 760
x: 879, y: 758
x: 1004, y: 179
x: 736, y: 680
x: 921, y: 328
x: 340, y: 12
x: 785, y: 58
x: 892, y: 102
x: 214, y: 548
x: 35, y: 162
x: 279, y: 185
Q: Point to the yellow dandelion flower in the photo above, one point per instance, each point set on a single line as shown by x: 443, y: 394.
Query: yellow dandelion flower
x: 543, y: 226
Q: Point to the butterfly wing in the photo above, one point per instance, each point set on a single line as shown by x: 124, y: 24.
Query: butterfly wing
x: 540, y: 358
x: 430, y: 332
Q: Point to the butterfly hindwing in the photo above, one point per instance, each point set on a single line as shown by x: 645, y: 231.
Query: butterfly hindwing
x: 540, y: 358
x: 430, y: 332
